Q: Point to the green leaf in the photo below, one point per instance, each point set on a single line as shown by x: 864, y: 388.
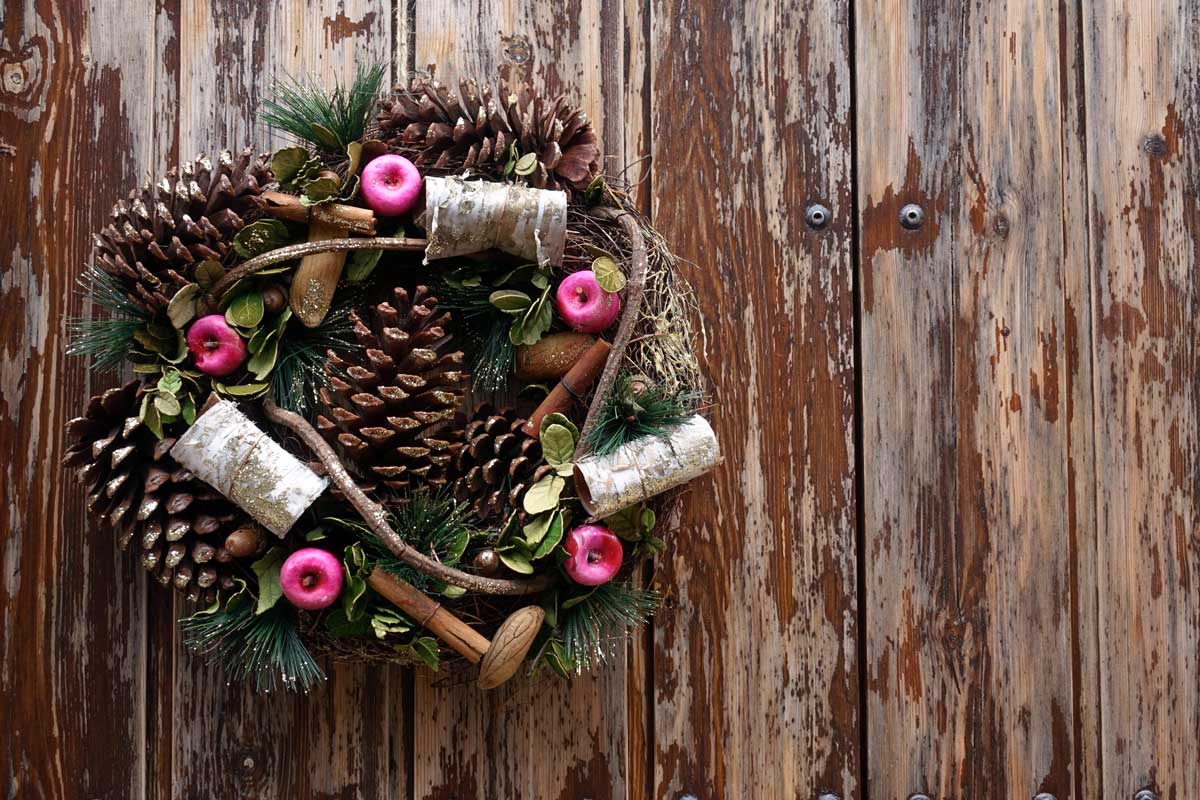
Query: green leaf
x: 510, y: 301
x: 171, y: 382
x: 559, y: 418
x: 246, y: 311
x: 324, y: 135
x: 553, y: 536
x: 338, y: 624
x: 288, y: 162
x: 260, y: 237
x: 558, y: 445
x: 354, y: 595
x: 361, y: 264
x: 550, y: 606
x: 189, y: 410
x: 262, y: 362
x: 537, y: 320
x: 385, y: 623
x: 426, y: 649
x: 208, y: 273
x: 354, y: 152
x: 167, y: 404
x: 241, y: 389
x: 182, y: 307
x: 576, y: 600
x: 608, y: 274
x: 316, y: 534
x: 267, y: 569
x: 451, y: 591
x: 517, y: 561
x: 595, y: 190
x: 540, y: 279
x: 181, y: 349
x: 151, y: 417
x: 321, y: 190
x: 526, y: 164
x: 544, y: 494
x: 535, y: 530
x: 625, y: 523
x: 647, y: 521
x: 511, y: 164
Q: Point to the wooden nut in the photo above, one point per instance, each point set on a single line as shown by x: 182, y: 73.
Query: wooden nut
x: 245, y: 542
x: 509, y: 646
x: 552, y: 356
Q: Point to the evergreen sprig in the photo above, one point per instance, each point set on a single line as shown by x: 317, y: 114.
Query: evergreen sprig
x: 485, y: 329
x: 626, y: 416
x: 107, y: 339
x: 299, y: 370
x: 266, y: 647
x: 329, y: 120
x: 591, y: 628
x: 433, y: 523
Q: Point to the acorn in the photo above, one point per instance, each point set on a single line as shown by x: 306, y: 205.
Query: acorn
x: 245, y: 542
x: 274, y: 298
x: 552, y: 357
x: 486, y: 562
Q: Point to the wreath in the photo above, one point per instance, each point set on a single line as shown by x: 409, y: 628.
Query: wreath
x: 419, y: 389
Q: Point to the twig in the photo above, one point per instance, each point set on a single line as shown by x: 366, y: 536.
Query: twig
x: 376, y: 518
x: 259, y: 263
x: 634, y: 289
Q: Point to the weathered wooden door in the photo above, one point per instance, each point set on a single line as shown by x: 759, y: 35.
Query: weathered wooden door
x: 955, y: 547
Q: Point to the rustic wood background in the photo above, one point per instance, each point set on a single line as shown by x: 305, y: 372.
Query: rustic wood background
x: 955, y: 546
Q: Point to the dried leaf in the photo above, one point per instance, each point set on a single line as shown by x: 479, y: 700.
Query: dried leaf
x: 608, y: 274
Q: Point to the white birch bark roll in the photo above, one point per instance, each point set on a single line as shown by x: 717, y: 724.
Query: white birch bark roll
x: 464, y: 217
x: 230, y: 453
x: 646, y: 467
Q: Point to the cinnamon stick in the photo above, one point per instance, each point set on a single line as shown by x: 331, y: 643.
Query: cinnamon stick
x: 458, y: 635
x: 572, y: 385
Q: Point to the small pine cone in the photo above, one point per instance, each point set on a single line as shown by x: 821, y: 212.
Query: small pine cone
x: 473, y: 130
x: 388, y: 405
x: 140, y: 492
x: 158, y: 237
x: 496, y: 464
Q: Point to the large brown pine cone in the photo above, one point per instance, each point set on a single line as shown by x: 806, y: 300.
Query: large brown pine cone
x: 496, y: 464
x: 390, y: 405
x: 444, y: 132
x: 158, y: 237
x: 140, y: 492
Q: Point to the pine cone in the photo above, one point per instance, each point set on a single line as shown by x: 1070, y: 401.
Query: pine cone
x: 497, y: 463
x: 164, y: 231
x: 139, y: 491
x: 474, y: 130
x: 388, y: 405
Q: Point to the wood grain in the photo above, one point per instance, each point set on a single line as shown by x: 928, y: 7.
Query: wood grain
x: 1144, y: 224
x: 542, y: 739
x: 970, y: 333
x: 76, y: 85
x: 755, y: 667
x: 347, y: 739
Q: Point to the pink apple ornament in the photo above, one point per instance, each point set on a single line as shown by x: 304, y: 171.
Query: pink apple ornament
x: 216, y: 347
x: 594, y: 555
x: 585, y: 306
x: 311, y: 578
x: 391, y: 185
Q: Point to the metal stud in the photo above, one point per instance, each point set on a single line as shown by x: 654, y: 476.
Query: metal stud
x: 918, y: 796
x: 828, y: 796
x: 912, y: 216
x: 817, y: 216
x: 1145, y: 794
x: 1044, y: 796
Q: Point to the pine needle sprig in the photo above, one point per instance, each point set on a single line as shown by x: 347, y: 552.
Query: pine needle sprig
x: 626, y: 415
x: 485, y: 329
x: 433, y: 523
x: 107, y: 339
x: 329, y: 120
x: 299, y: 372
x: 264, y: 647
x: 592, y: 629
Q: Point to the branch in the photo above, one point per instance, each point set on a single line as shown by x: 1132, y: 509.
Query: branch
x: 376, y: 518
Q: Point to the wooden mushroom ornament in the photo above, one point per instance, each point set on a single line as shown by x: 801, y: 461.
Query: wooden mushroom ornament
x: 317, y: 276
x: 498, y: 658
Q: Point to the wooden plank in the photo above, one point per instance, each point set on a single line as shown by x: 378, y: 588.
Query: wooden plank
x: 1143, y: 168
x: 211, y: 739
x: 755, y: 668
x: 971, y: 331
x: 78, y: 95
x: 545, y: 739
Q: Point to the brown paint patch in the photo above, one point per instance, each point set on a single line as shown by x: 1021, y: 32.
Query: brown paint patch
x: 908, y: 661
x: 342, y: 27
x: 1122, y: 321
x: 1050, y: 372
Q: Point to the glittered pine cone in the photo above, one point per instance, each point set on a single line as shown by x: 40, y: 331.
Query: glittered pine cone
x: 474, y: 130
x: 157, y: 238
x: 135, y: 488
x: 496, y: 464
x: 389, y: 406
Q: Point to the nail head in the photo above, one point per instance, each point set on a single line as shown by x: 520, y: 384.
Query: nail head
x: 817, y: 216
x: 912, y: 216
x: 918, y: 796
x: 1155, y: 145
x: 1145, y: 794
x: 1044, y: 796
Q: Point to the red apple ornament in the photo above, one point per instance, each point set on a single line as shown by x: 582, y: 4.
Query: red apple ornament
x: 311, y: 578
x: 585, y: 306
x: 595, y: 555
x: 216, y: 347
x: 391, y: 185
